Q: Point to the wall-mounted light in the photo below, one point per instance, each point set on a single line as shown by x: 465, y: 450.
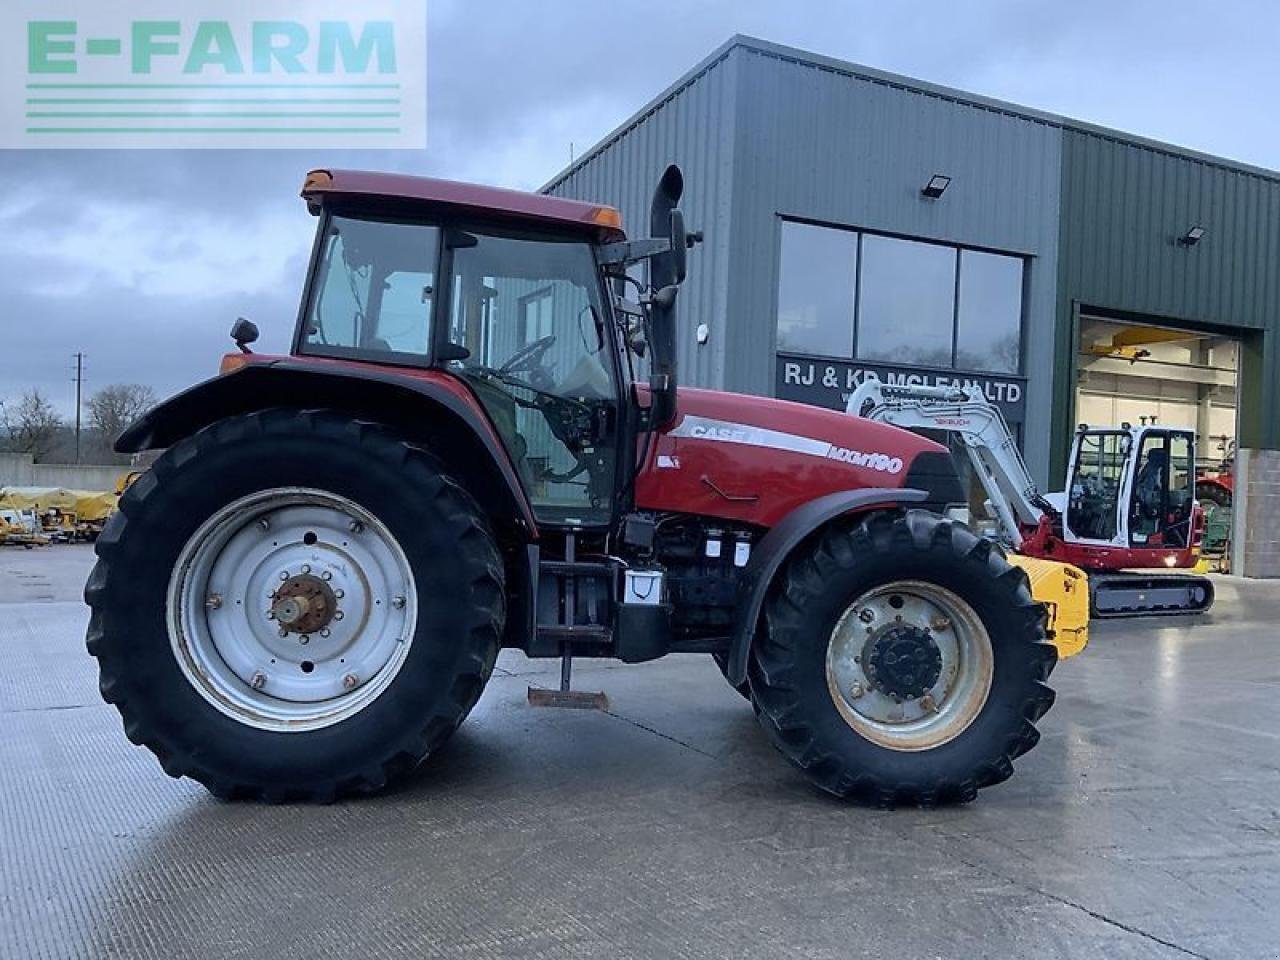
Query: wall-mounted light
x: 1192, y: 236
x: 936, y: 185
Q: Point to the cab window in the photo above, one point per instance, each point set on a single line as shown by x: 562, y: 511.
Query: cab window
x: 1092, y: 510
x: 1163, y: 492
x: 373, y: 291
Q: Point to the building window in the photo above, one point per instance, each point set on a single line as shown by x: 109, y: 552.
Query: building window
x: 989, y: 317
x: 815, y: 295
x: 536, y: 318
x: 846, y: 294
x: 907, y: 304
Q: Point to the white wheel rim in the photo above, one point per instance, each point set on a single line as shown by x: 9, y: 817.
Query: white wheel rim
x: 958, y: 648
x: 291, y: 609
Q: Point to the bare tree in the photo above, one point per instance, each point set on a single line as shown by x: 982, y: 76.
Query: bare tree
x: 114, y: 407
x: 31, y: 424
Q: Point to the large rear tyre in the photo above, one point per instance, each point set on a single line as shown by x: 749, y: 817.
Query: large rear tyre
x: 722, y: 664
x: 294, y: 606
x: 902, y: 660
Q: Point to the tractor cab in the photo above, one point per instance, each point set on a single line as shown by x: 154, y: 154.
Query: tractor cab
x: 521, y: 310
x: 1133, y: 489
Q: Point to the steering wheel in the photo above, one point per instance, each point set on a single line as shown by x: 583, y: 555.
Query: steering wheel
x: 529, y: 357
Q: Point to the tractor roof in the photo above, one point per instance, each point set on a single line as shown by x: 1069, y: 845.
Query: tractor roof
x: 468, y: 197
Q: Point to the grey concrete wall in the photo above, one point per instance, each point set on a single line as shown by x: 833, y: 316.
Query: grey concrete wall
x: 18, y: 470
x: 1256, y: 523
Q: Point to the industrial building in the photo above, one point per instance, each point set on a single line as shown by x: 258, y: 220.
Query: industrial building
x: 861, y: 222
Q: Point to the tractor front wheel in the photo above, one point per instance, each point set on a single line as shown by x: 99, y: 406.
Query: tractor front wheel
x: 902, y: 660
x: 292, y: 606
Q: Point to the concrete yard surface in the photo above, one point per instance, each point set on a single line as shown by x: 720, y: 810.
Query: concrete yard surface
x: 1146, y: 824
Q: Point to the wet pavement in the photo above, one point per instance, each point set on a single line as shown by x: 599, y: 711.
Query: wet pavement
x: 1146, y: 824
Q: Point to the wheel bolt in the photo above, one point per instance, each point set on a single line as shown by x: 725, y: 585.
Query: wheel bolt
x: 304, y: 639
x: 866, y: 615
x: 939, y: 623
x: 324, y: 631
x: 306, y: 568
x: 271, y: 614
x: 928, y: 703
x: 338, y: 615
x: 326, y: 575
x: 856, y: 691
x: 264, y: 524
x: 350, y: 681
x: 339, y: 593
x: 398, y: 602
x: 284, y: 632
x: 259, y: 680
x: 214, y: 601
x: 284, y: 575
x: 355, y: 526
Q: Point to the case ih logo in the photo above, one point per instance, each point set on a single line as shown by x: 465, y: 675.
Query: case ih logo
x: 724, y: 431
x: 213, y: 73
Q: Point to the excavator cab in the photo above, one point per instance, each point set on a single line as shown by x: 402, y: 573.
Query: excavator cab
x: 1133, y: 489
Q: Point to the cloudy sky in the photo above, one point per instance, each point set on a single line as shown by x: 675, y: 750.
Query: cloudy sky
x: 142, y: 259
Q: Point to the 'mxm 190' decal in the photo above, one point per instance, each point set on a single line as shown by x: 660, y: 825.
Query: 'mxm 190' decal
x: 724, y: 431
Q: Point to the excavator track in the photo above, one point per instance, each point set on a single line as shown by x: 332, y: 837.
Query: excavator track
x: 1115, y: 595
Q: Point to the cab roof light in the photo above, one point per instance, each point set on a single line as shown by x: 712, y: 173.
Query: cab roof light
x: 607, y: 217
x: 317, y: 180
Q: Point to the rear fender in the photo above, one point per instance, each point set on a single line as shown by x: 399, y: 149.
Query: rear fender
x: 779, y: 543
x: 421, y: 410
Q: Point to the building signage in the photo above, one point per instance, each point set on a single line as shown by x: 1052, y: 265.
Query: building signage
x: 829, y: 383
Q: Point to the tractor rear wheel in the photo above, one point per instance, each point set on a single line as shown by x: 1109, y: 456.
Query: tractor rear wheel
x: 293, y: 606
x: 902, y: 660
x: 722, y: 664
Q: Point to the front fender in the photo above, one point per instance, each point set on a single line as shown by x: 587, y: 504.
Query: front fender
x: 776, y: 546
x: 418, y: 407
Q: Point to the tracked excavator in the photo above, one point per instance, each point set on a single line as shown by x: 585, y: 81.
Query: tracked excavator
x: 1128, y: 514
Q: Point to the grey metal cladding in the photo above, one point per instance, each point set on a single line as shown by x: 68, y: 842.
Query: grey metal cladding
x: 830, y: 145
x: 1125, y: 205
x: 691, y: 125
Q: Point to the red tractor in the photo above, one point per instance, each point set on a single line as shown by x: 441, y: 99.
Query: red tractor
x: 464, y: 451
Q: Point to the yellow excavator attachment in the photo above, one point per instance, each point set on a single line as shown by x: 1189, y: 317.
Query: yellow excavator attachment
x: 1064, y: 590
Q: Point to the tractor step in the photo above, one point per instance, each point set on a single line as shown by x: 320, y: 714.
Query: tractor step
x: 565, y: 697
x: 1148, y: 595
x: 568, y: 699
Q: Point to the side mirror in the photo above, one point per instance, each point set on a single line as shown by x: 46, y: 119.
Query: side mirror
x: 244, y: 332
x: 679, y: 246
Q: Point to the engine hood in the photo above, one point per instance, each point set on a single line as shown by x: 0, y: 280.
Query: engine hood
x: 755, y: 458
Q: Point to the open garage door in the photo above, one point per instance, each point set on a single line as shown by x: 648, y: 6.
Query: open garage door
x: 1141, y: 374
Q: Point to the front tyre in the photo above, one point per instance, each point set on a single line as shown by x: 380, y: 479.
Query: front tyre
x: 294, y: 606
x: 902, y: 660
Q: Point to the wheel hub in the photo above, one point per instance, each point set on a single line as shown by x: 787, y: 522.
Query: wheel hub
x: 909, y: 665
x: 303, y: 604
x: 904, y: 661
x: 291, y: 609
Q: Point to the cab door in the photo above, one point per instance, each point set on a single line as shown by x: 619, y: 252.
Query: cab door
x: 1098, y: 488
x: 527, y: 332
x: 1162, y: 499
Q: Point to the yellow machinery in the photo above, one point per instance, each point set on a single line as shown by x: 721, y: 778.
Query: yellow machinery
x: 62, y: 514
x: 125, y: 480
x: 21, y: 528
x: 1064, y: 590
